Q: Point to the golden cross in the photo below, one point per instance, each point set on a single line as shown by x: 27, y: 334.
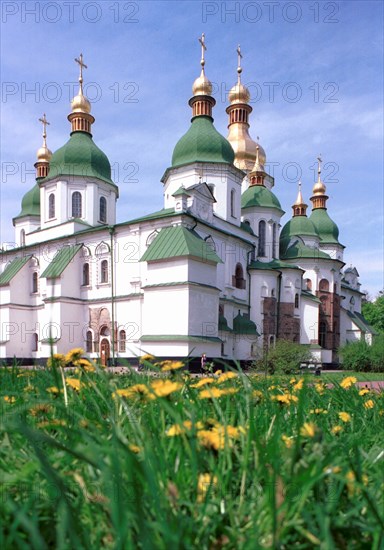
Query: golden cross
x: 81, y: 64
x: 319, y: 160
x: 239, y: 58
x: 203, y: 49
x: 44, y: 122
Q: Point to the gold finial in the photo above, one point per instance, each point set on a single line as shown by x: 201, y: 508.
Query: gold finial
x: 81, y: 65
x: 203, y: 50
x: 239, y: 68
x: 319, y: 162
x: 44, y: 122
x: 299, y: 201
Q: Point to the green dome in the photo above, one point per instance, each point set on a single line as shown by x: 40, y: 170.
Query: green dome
x: 243, y: 325
x: 326, y: 228
x: 258, y: 195
x: 30, y: 203
x: 297, y: 226
x: 80, y: 157
x: 202, y: 143
x: 298, y: 250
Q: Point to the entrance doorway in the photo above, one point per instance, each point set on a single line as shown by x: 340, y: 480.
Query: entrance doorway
x: 105, y: 351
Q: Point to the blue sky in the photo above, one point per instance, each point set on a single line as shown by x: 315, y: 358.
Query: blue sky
x: 314, y: 70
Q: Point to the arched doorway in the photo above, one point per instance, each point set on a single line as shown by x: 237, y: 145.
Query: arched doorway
x: 105, y: 351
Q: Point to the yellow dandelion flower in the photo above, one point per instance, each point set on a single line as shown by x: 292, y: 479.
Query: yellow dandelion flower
x: 9, y: 399
x: 369, y: 404
x: 364, y: 391
x: 299, y: 385
x: 211, y: 439
x: 171, y: 365
x: 226, y: 376
x: 285, y: 399
x: 229, y: 391
x: 211, y: 393
x: 74, y: 354
x: 348, y: 382
x: 84, y: 364
x: 57, y: 359
x: 74, y: 383
x: 138, y: 390
x: 308, y: 429
x: 344, y: 416
x: 288, y: 441
x: 40, y: 409
x: 163, y: 388
x: 204, y: 484
x: 365, y: 479
x: 174, y: 430
x: 258, y: 394
x: 218, y: 372
x: 134, y: 448
x: 146, y: 358
x: 54, y: 390
x: 336, y: 429
x: 320, y: 387
x: 203, y: 382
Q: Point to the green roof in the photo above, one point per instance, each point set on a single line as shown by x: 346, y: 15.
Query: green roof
x: 223, y: 324
x: 180, y: 192
x: 174, y: 242
x: 163, y: 213
x: 307, y: 294
x: 60, y: 261
x: 243, y: 325
x: 12, y: 269
x: 80, y: 156
x: 326, y: 228
x: 258, y: 195
x: 202, y: 143
x: 273, y: 264
x: 360, y: 321
x: 247, y: 227
x: 298, y: 225
x: 299, y: 250
x: 30, y: 203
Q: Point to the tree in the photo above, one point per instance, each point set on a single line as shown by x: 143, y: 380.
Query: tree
x: 374, y: 312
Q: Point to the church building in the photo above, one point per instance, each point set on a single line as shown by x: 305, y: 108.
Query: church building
x: 215, y: 271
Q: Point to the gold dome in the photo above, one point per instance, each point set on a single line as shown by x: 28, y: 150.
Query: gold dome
x: 239, y: 94
x: 202, y: 85
x: 244, y: 147
x: 319, y: 188
x: 43, y: 154
x: 80, y: 104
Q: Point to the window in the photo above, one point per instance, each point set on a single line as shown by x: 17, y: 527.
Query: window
x: 89, y: 342
x: 238, y: 280
x: 296, y: 301
x: 233, y: 195
x: 274, y: 240
x: 103, y: 210
x: 51, y: 206
x: 22, y: 237
x: 86, y: 274
x: 322, y: 333
x: 308, y: 284
x: 76, y: 205
x: 324, y: 285
x: 261, y: 246
x: 123, y: 340
x: 35, y: 342
x: 104, y: 272
x: 35, y: 282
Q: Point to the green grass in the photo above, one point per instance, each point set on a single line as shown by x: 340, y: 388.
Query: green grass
x: 247, y: 472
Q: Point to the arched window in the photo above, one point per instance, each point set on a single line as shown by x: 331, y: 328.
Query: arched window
x: 322, y: 333
x: 324, y: 285
x: 22, y: 237
x: 274, y: 240
x: 35, y: 282
x: 35, y: 342
x: 123, y: 340
x: 308, y: 284
x: 296, y: 301
x: 86, y: 274
x: 238, y: 279
x: 103, y: 210
x: 261, y: 246
x: 89, y: 342
x: 104, y: 271
x: 76, y: 205
x: 51, y: 206
x: 233, y: 196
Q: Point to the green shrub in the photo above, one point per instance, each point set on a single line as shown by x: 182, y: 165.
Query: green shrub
x: 362, y: 357
x: 285, y: 358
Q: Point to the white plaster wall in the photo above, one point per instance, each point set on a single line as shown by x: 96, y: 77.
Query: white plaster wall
x: 309, y: 313
x: 203, y: 312
x: 174, y: 302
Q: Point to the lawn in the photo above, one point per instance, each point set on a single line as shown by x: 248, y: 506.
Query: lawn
x: 92, y: 460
